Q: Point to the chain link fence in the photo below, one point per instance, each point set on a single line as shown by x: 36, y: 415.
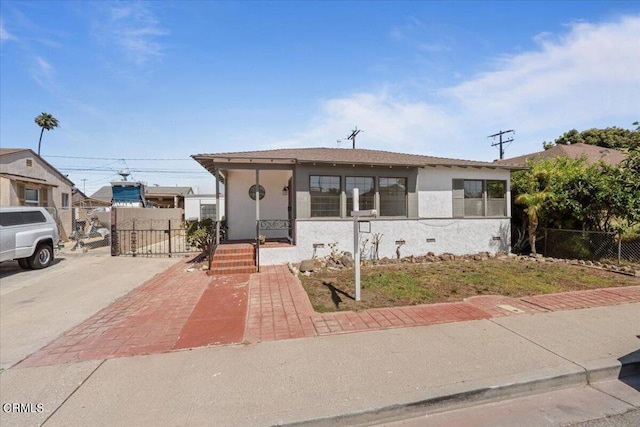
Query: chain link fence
x: 89, y: 229
x: 591, y: 246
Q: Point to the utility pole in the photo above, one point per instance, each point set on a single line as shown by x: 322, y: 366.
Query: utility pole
x: 501, y: 142
x: 84, y: 185
x: 353, y: 135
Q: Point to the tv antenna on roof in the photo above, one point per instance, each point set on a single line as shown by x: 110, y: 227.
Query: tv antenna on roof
x: 353, y: 135
x: 124, y: 173
x: 501, y: 142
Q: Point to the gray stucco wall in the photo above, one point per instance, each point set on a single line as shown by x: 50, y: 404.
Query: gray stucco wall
x: 303, y: 172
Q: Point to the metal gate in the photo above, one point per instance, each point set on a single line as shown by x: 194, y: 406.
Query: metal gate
x: 150, y: 237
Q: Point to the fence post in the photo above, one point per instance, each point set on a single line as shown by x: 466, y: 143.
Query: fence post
x: 169, y: 232
x: 115, y: 249
x: 619, y: 248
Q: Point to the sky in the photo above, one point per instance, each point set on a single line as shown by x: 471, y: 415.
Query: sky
x: 144, y: 85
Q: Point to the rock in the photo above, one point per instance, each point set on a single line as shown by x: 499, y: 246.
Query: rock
x: 293, y: 269
x: 307, y: 265
x: 447, y: 257
x: 319, y: 263
x: 346, y: 260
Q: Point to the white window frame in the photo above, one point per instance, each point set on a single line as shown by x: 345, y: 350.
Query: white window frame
x: 31, y: 202
x: 460, y: 198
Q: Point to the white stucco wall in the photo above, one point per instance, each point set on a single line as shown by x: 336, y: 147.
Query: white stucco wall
x: 192, y: 205
x: 435, y: 188
x: 456, y: 236
x: 241, y: 209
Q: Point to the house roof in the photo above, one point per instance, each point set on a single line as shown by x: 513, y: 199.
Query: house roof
x: 591, y: 153
x: 342, y: 156
x: 8, y: 151
x: 4, y: 151
x: 103, y: 193
x: 164, y: 191
x: 106, y: 193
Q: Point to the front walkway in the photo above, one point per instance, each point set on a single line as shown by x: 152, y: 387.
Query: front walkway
x: 179, y: 309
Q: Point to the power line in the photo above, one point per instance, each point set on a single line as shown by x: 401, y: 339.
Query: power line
x: 99, y: 169
x: 119, y: 158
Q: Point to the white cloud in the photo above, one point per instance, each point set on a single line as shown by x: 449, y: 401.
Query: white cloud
x: 387, y: 124
x: 43, y: 72
x: 591, y: 72
x: 134, y: 28
x: 4, y: 34
x: 588, y: 77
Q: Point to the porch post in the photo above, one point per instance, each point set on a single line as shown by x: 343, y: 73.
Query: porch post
x: 215, y: 174
x: 258, y: 220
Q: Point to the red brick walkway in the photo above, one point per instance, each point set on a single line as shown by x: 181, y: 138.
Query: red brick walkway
x: 175, y: 309
x: 180, y: 309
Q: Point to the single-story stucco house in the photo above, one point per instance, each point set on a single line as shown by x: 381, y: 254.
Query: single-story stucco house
x: 26, y: 179
x: 202, y: 206
x: 425, y: 204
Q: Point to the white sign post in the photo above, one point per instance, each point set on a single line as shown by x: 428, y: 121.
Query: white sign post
x: 357, y: 214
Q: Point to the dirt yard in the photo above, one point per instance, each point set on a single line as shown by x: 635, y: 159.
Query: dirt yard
x: 409, y: 284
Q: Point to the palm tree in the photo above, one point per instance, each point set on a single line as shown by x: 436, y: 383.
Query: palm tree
x: 45, y: 121
x: 534, y: 203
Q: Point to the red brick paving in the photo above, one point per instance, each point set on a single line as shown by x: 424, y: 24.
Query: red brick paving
x: 219, y: 316
x: 585, y: 299
x: 278, y: 307
x: 180, y: 309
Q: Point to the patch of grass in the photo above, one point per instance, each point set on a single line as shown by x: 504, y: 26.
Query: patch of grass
x: 410, y: 284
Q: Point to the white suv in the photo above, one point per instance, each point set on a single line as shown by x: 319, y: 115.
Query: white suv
x: 28, y: 235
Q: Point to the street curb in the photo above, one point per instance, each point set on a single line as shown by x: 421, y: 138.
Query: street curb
x: 471, y: 394
x: 609, y: 369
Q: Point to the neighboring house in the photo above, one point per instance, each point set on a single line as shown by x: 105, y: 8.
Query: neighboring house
x: 81, y: 200
x: 167, y: 197
x: 26, y: 179
x: 202, y: 206
x: 425, y: 204
x: 591, y: 153
x: 158, y: 196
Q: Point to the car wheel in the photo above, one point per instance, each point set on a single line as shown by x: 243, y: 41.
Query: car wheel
x: 24, y: 263
x: 42, y: 257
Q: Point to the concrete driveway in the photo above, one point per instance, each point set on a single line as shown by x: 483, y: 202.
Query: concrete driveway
x: 37, y: 306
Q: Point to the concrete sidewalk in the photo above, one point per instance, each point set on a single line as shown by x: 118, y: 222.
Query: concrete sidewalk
x: 344, y: 378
